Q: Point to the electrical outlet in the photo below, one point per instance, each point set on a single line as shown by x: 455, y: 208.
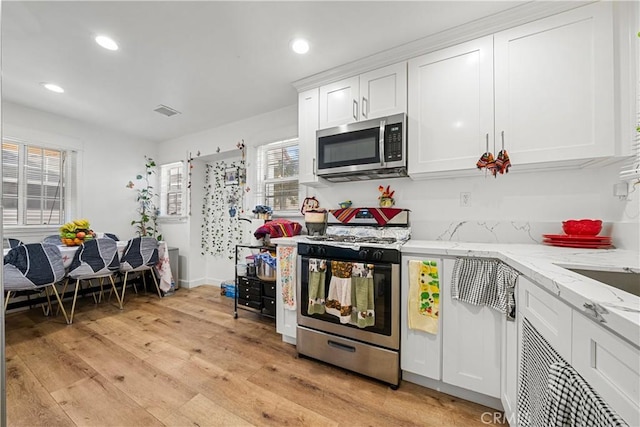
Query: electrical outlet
x: 465, y: 199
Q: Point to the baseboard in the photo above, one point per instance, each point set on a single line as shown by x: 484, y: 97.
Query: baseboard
x: 442, y: 387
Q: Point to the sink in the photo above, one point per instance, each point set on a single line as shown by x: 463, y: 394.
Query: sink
x: 628, y: 282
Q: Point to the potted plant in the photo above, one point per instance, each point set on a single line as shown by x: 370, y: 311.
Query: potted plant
x: 146, y: 224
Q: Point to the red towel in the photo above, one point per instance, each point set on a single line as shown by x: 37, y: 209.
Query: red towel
x: 278, y: 228
x: 381, y: 215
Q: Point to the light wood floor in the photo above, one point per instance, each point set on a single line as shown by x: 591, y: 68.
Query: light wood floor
x: 184, y: 361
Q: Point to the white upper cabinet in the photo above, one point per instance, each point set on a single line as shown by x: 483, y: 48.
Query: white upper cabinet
x: 546, y: 88
x: 450, y: 107
x: 554, y: 87
x: 374, y: 94
x: 307, y: 127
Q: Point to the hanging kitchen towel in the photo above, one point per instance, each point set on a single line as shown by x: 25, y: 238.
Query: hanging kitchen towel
x: 286, y: 269
x: 363, y: 314
x: 339, y: 298
x: 570, y: 401
x: 485, y: 282
x: 424, y: 296
x: 317, y: 274
x: 537, y: 356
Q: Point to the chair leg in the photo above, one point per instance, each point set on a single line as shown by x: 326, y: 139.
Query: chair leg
x: 124, y: 288
x: 153, y: 274
x: 6, y: 301
x: 64, y: 289
x: 48, y: 309
x: 113, y: 286
x: 64, y: 312
x: 73, y: 305
x: 144, y: 280
x: 101, y: 290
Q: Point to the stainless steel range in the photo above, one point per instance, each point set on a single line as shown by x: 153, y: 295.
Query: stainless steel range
x: 349, y: 293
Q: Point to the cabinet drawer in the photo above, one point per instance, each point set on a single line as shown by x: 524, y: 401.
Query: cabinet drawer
x: 249, y: 283
x: 269, y: 289
x: 252, y: 304
x: 610, y: 365
x: 269, y: 306
x: 249, y: 296
x: 549, y: 315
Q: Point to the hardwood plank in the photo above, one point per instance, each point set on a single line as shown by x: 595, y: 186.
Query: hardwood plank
x: 28, y: 403
x: 201, y: 411
x: 96, y: 402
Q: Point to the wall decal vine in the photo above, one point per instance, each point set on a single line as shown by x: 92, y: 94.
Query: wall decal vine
x: 222, y: 205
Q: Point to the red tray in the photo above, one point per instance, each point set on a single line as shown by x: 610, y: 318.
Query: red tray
x: 576, y: 238
x: 585, y: 245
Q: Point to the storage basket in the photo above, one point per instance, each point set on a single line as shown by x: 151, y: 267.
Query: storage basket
x: 228, y: 288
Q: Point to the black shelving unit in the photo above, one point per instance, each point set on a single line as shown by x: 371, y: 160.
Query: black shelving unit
x: 252, y: 293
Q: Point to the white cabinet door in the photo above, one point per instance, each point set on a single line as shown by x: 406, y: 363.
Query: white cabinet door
x: 383, y: 92
x: 509, y: 387
x: 610, y: 365
x: 420, y: 352
x: 554, y: 87
x: 450, y: 107
x: 339, y: 103
x: 471, y: 343
x: 286, y: 320
x: 307, y: 127
x: 550, y: 316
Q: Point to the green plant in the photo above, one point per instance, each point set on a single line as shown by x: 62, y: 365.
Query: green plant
x: 147, y: 223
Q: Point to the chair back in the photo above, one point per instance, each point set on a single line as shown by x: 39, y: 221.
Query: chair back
x: 10, y: 243
x: 32, y: 266
x: 95, y: 258
x: 141, y: 253
x: 54, y: 239
x: 112, y: 236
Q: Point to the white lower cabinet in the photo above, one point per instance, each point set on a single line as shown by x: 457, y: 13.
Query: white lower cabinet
x: 471, y: 342
x: 509, y: 383
x: 286, y: 320
x: 609, y: 364
x: 421, y: 351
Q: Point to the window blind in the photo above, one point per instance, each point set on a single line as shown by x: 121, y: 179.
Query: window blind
x: 278, y: 175
x: 172, y: 189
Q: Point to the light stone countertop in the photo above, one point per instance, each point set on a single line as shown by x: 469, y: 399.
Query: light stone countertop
x: 547, y: 266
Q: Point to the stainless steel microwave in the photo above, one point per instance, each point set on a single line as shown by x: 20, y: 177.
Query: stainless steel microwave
x: 375, y: 148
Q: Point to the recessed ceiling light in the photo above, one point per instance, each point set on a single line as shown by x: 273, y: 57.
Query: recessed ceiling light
x: 52, y: 87
x: 300, y: 46
x: 107, y: 42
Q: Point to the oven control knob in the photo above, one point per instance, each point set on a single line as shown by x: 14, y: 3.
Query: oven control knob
x: 321, y: 250
x: 377, y: 255
x: 363, y: 254
x: 311, y: 250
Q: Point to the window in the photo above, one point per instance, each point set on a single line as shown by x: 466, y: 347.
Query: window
x: 278, y: 175
x: 33, y: 184
x: 172, y: 190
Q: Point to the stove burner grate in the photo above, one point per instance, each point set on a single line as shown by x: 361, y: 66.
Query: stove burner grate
x: 353, y: 239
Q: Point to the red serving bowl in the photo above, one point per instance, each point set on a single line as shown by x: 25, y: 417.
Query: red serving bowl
x: 582, y: 227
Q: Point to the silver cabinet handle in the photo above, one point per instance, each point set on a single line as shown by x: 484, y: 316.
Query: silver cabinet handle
x: 315, y: 167
x: 383, y: 123
x: 487, y: 139
x: 365, y: 107
x: 502, y: 134
x: 355, y: 110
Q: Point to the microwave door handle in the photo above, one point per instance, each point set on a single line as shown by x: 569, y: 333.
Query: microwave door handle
x: 383, y: 123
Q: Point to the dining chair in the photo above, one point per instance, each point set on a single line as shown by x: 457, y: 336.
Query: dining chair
x: 112, y: 236
x: 53, y: 239
x: 94, y: 259
x: 33, y: 267
x: 140, y: 255
x: 10, y: 243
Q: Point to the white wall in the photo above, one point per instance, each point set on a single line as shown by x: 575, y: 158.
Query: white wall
x: 109, y: 160
x: 218, y: 144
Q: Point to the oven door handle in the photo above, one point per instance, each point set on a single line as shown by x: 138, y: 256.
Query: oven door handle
x: 341, y: 346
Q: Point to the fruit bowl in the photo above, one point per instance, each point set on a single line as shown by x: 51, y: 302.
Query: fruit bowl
x: 582, y: 227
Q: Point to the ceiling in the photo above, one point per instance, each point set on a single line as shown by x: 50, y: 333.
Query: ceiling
x: 214, y: 61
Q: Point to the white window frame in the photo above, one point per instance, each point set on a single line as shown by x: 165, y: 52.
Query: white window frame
x: 72, y: 165
x: 261, y: 180
x: 183, y: 214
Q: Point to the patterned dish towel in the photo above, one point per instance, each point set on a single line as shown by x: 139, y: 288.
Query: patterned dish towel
x: 424, y: 296
x: 485, y: 282
x: 381, y: 215
x: 339, y: 297
x: 286, y: 267
x: 317, y: 274
x: 570, y: 401
x: 363, y: 314
x: 551, y: 393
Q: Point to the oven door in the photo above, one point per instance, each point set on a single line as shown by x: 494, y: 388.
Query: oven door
x: 383, y: 332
